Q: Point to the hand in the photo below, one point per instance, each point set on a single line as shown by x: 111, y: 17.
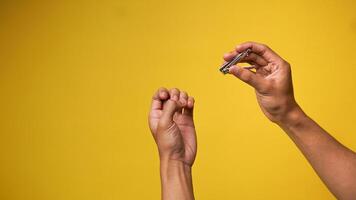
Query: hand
x: 172, y: 126
x: 272, y: 80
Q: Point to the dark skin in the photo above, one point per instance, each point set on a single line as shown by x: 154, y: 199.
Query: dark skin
x: 334, y: 163
x: 174, y: 132
x: 172, y: 126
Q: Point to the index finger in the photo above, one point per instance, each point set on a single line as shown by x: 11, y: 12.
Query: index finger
x: 158, y: 97
x: 260, y: 49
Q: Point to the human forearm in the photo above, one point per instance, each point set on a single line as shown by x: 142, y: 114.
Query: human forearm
x: 334, y: 163
x: 172, y: 127
x: 272, y: 81
x: 176, y: 180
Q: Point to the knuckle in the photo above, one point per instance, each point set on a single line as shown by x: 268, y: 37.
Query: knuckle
x: 162, y: 89
x: 286, y: 63
x: 175, y: 90
x: 155, y: 95
x: 184, y: 94
x: 264, y: 46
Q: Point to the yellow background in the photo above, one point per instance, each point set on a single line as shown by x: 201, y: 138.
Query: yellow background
x: 76, y: 80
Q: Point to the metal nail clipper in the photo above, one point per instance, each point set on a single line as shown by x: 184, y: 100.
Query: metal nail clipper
x: 225, y: 67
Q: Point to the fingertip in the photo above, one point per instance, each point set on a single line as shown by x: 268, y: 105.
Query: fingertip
x: 174, y: 97
x: 163, y: 95
x: 234, y: 69
x: 239, y: 48
x: 226, y: 55
x: 174, y: 94
x: 162, y: 89
x: 191, y: 102
x: 183, y: 97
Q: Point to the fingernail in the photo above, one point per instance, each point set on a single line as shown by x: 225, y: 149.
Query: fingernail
x: 175, y: 97
x: 190, y: 103
x: 231, y: 68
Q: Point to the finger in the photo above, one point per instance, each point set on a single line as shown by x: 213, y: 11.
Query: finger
x: 188, y: 110
x: 254, y: 58
x: 174, y: 94
x: 260, y: 49
x: 253, y: 67
x: 170, y: 108
x: 229, y: 56
x: 183, y: 98
x: 246, y: 76
x: 160, y: 95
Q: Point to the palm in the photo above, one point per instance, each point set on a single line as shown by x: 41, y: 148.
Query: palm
x: 277, y: 83
x: 272, y: 79
x: 183, y: 132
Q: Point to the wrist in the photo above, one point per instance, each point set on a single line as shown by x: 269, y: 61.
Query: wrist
x: 175, y: 157
x: 175, y: 170
x: 176, y: 180
x: 170, y: 166
x: 295, y: 118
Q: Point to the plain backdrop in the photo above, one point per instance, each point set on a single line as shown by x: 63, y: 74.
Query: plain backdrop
x: 77, y: 77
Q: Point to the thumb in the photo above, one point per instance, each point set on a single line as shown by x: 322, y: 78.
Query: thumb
x: 246, y: 76
x: 169, y: 109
